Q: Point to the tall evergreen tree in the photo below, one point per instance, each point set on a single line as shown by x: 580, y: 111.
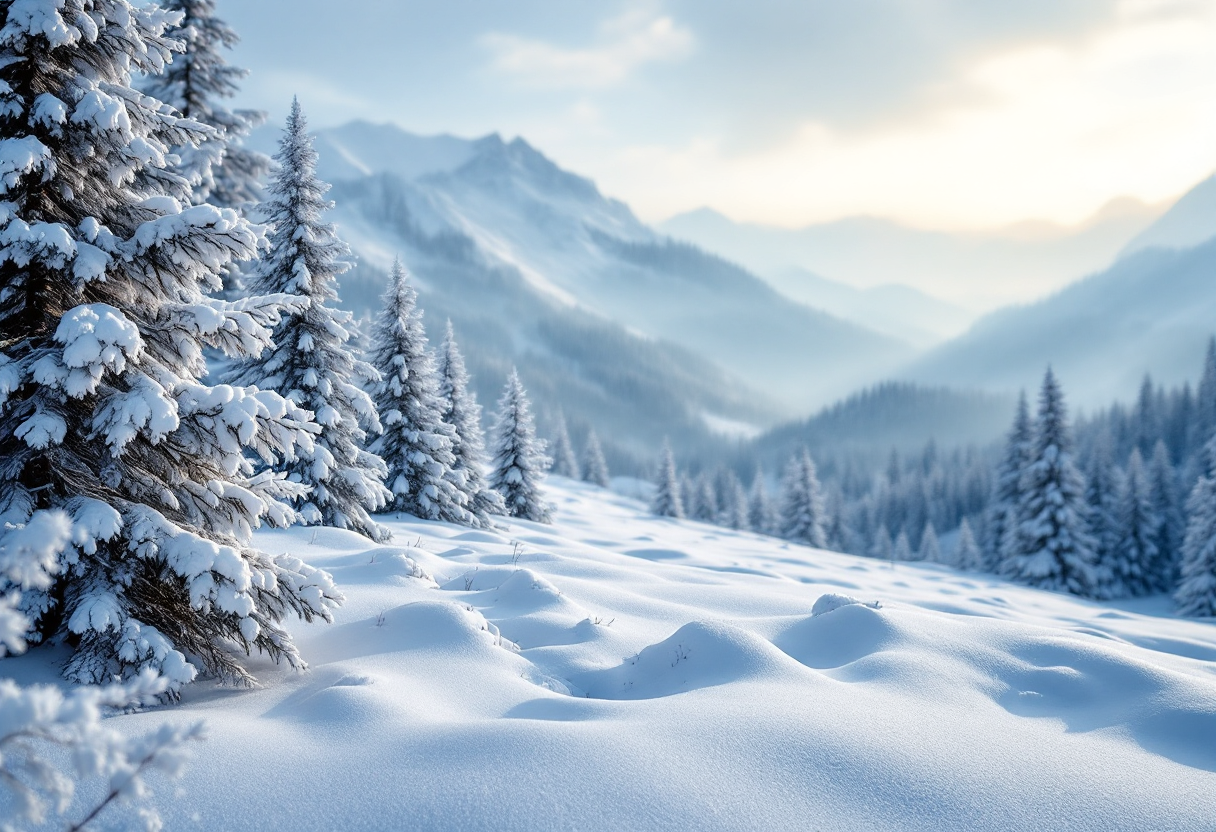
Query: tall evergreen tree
x: 196, y: 83
x: 519, y: 462
x: 1146, y: 418
x: 967, y: 554
x: 1051, y: 545
x: 565, y: 464
x: 802, y: 508
x: 416, y: 444
x: 760, y: 513
x: 930, y: 549
x: 667, y: 501
x: 1007, y: 490
x: 312, y: 363
x: 882, y: 548
x: 1134, y: 563
x: 1103, y: 491
x: 1166, y: 506
x: 735, y: 509
x: 595, y: 468
x: 1204, y: 423
x: 902, y: 549
x: 104, y: 418
x: 837, y: 532
x: 704, y: 503
x: 1196, y: 592
x: 459, y: 408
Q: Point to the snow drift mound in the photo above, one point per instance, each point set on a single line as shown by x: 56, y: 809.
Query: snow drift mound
x: 698, y: 655
x: 440, y: 627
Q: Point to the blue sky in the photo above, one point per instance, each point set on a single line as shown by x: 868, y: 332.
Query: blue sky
x: 939, y: 113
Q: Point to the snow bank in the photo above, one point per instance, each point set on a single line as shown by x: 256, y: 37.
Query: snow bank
x: 617, y: 671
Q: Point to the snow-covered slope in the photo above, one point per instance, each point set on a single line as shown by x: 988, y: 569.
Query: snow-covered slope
x: 1152, y: 312
x: 469, y: 212
x: 619, y: 671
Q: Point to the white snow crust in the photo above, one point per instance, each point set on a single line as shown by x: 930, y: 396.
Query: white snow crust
x: 619, y: 671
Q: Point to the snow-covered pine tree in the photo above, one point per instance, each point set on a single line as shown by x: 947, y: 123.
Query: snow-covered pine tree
x: 1196, y: 592
x: 688, y: 495
x: 459, y: 408
x: 930, y: 549
x: 1171, y: 528
x: 565, y: 463
x: 760, y: 513
x: 1007, y: 490
x: 1051, y: 545
x: 416, y: 444
x: 195, y: 83
x: 1103, y: 487
x: 881, y: 547
x: 595, y: 468
x: 103, y: 322
x: 1204, y: 424
x: 836, y: 532
x: 902, y: 549
x: 734, y: 502
x: 312, y: 363
x: 667, y: 501
x: 1146, y: 420
x: 704, y: 503
x: 802, y: 508
x: 1134, y: 558
x: 519, y: 460
x: 967, y: 554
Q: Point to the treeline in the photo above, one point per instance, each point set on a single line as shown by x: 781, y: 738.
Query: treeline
x: 1122, y: 503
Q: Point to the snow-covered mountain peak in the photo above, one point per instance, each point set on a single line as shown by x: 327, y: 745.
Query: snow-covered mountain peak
x: 361, y: 148
x: 492, y: 227
x: 516, y: 169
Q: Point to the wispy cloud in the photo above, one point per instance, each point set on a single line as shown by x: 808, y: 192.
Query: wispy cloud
x: 623, y: 45
x: 1051, y: 131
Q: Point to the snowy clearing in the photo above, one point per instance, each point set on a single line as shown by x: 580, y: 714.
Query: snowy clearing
x: 621, y: 671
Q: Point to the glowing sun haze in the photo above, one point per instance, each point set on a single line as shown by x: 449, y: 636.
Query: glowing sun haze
x: 954, y: 114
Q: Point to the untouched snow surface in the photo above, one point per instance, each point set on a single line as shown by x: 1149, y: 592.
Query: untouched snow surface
x: 617, y: 671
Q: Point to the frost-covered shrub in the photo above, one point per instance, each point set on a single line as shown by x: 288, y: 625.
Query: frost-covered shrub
x: 36, y: 721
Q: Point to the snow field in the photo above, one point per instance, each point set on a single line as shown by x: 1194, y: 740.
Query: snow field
x: 621, y: 671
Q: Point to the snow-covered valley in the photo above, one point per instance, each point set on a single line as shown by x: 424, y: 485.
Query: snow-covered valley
x: 621, y: 671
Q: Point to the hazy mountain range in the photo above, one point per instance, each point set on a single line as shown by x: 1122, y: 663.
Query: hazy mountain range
x: 645, y: 337
x: 609, y: 320
x: 1152, y: 311
x: 981, y: 271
